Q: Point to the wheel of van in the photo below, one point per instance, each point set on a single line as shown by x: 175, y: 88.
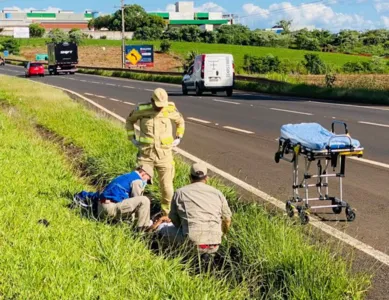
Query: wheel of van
x: 199, y: 92
x: 184, y: 90
x: 229, y: 92
x: 214, y: 92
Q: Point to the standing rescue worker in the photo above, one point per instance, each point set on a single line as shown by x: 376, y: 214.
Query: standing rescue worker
x: 200, y: 214
x: 156, y: 139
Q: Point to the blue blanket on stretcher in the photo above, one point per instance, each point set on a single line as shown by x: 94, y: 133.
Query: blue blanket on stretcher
x: 315, y: 137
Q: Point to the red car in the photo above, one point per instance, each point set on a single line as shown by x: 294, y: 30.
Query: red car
x: 35, y: 69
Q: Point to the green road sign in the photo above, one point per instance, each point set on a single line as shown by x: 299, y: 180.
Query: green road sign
x: 41, y: 57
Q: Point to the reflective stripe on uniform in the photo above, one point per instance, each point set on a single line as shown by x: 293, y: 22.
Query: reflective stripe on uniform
x: 167, y: 141
x: 130, y: 132
x: 180, y: 130
x: 146, y: 140
x: 144, y: 107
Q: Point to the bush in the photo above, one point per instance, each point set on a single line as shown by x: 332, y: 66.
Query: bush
x: 104, y: 37
x: 12, y: 45
x: 76, y: 36
x: 165, y: 46
x: 148, y: 33
x: 353, y: 67
x: 330, y: 80
x: 261, y: 65
x: 314, y: 64
x: 36, y: 30
x: 58, y: 36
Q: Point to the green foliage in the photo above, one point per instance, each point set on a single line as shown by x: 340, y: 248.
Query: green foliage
x: 12, y: 45
x: 165, y: 46
x: 314, y: 64
x: 261, y: 65
x: 77, y: 36
x: 148, y: 33
x: 36, y: 30
x: 58, y: 36
x: 330, y: 80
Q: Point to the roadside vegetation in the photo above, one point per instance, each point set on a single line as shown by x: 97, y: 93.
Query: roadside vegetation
x: 76, y: 256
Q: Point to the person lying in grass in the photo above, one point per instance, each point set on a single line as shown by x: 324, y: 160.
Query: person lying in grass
x: 123, y: 198
x: 199, y: 214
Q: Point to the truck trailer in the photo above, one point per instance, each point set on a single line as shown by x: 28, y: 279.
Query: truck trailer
x: 62, y: 58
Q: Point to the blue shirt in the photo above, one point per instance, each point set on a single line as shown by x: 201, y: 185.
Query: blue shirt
x: 120, y: 188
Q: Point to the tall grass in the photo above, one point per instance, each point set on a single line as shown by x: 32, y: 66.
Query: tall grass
x: 278, y: 259
x: 72, y: 257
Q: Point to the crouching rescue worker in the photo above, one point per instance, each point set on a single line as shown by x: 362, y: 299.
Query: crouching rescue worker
x: 200, y: 214
x: 156, y: 139
x: 123, y: 197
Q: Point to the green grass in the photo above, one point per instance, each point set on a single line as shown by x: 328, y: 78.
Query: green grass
x: 278, y: 260
x: 182, y: 48
x: 73, y: 258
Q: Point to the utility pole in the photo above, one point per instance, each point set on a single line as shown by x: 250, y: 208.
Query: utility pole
x: 123, y: 37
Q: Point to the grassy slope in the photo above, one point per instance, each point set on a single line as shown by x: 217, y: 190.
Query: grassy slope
x: 182, y: 48
x: 72, y: 258
x: 278, y: 259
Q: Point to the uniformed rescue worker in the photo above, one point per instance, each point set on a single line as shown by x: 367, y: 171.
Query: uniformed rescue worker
x: 123, y: 197
x: 199, y: 213
x: 156, y: 140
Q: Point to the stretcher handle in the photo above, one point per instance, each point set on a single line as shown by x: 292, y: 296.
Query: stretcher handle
x: 339, y: 122
x: 340, y: 135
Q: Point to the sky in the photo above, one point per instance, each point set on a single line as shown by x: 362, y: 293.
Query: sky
x: 322, y: 14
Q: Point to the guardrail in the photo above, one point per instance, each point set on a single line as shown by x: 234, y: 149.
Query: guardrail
x: 237, y: 77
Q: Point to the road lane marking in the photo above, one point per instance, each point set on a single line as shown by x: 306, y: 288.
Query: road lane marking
x: 371, y: 162
x: 292, y: 111
x: 224, y: 101
x: 199, y: 120
x: 95, y: 82
x: 378, y: 255
x: 149, y: 90
x: 102, y: 97
x: 238, y: 129
x: 128, y: 103
x: 113, y: 99
x: 128, y: 87
x: 88, y: 94
x: 351, y: 105
x: 374, y: 124
x: 110, y: 84
x: 83, y: 80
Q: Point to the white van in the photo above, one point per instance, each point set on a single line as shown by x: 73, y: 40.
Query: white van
x: 210, y: 72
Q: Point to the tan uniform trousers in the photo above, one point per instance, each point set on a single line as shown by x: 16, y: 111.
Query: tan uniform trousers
x: 166, y: 170
x: 140, y: 206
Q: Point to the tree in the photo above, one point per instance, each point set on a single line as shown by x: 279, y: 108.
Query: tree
x: 58, y: 36
x: 12, y: 45
x: 285, y: 25
x: 148, y: 33
x: 76, y: 36
x: 165, y: 46
x: 234, y: 34
x: 314, y: 64
x: 191, y: 33
x: 100, y: 22
x: 36, y: 30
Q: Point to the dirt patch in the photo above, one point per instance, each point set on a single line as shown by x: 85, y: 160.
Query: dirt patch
x: 110, y: 57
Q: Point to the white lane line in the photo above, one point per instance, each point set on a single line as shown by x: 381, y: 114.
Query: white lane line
x: 149, y: 90
x: 292, y: 111
x: 371, y: 162
x: 237, y: 129
x: 95, y: 82
x: 83, y: 80
x: 128, y: 87
x: 199, y: 120
x: 128, y: 103
x: 113, y: 99
x: 374, y: 124
x: 110, y: 84
x: 88, y: 94
x: 102, y: 97
x: 224, y: 101
x: 351, y: 105
x: 378, y: 255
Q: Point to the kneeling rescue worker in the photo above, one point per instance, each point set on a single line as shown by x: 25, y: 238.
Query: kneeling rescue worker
x: 199, y: 213
x: 156, y: 140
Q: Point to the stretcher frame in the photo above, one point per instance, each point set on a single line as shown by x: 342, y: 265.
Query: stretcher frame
x: 326, y: 158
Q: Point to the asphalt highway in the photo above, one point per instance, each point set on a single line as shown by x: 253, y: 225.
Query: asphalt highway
x: 238, y: 135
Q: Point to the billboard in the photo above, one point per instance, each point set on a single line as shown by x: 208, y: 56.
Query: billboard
x: 139, y: 56
x: 22, y: 32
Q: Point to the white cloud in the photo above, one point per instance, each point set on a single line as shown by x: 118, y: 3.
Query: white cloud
x: 385, y: 21
x: 210, y: 7
x: 305, y: 16
x: 381, y: 6
x: 15, y: 8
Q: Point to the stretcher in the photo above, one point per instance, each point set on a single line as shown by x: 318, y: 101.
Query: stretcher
x: 329, y: 150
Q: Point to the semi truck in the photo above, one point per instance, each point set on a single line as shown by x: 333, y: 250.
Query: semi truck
x: 62, y: 58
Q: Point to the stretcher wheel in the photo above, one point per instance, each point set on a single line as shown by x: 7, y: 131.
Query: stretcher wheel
x: 350, y: 214
x: 277, y: 157
x: 337, y: 210
x: 289, y: 210
x: 304, y: 218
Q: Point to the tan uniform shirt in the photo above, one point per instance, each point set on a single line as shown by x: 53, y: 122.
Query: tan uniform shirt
x: 156, y: 130
x: 199, y: 209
